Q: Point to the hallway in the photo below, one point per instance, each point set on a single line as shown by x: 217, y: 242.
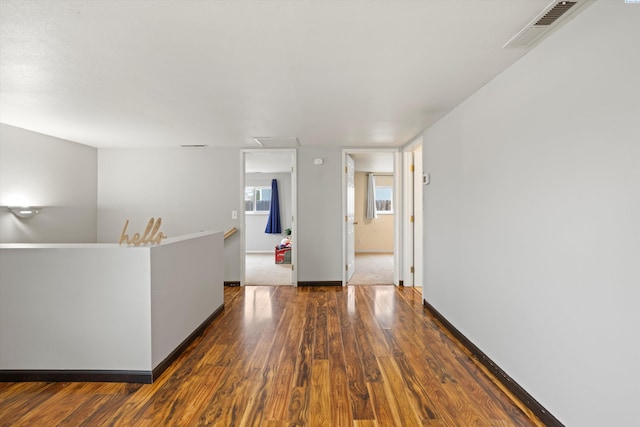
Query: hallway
x: 282, y: 356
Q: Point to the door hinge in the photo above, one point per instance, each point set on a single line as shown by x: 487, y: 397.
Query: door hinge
x: 411, y: 269
x: 411, y: 218
x: 412, y: 168
x: 346, y: 169
x: 346, y: 267
x: 346, y: 218
x: 292, y: 267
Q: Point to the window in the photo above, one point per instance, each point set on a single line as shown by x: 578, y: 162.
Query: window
x: 384, y: 200
x: 257, y: 199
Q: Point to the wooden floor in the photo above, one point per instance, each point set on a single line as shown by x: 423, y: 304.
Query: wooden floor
x: 284, y: 356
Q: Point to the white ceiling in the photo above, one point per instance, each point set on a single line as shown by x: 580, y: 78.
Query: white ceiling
x: 164, y: 73
x: 281, y: 162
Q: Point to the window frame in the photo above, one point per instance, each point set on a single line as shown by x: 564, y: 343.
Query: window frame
x: 256, y: 189
x: 384, y: 212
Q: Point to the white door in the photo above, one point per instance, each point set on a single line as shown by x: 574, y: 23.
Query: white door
x: 413, y: 261
x: 418, y: 187
x: 408, y: 249
x: 350, y: 218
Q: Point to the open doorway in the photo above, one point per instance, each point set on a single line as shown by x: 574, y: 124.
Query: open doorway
x: 371, y: 210
x: 268, y: 253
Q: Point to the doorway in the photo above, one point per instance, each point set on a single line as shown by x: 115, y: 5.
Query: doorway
x: 413, y: 187
x: 269, y: 254
x: 371, y: 200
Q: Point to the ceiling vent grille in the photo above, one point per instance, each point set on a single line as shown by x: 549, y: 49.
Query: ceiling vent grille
x: 556, y: 12
x: 547, y: 21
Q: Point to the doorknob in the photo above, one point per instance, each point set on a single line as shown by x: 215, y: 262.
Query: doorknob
x: 355, y: 222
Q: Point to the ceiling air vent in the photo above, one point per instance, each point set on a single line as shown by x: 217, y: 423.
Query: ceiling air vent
x: 556, y: 12
x: 547, y: 21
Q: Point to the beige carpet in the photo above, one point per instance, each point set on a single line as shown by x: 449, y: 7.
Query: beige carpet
x: 261, y: 269
x: 373, y: 269
x: 370, y: 269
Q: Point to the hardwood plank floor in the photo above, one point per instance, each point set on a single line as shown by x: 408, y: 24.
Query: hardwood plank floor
x: 284, y: 356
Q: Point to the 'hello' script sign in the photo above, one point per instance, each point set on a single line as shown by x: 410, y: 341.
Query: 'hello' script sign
x: 150, y: 235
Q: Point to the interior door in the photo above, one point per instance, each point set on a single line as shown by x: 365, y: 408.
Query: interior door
x: 408, y: 224
x: 418, y: 186
x: 351, y: 214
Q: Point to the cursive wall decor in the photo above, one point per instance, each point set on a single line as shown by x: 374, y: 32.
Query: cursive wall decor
x: 150, y: 236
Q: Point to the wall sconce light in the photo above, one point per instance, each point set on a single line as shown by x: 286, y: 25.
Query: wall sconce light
x: 24, y: 211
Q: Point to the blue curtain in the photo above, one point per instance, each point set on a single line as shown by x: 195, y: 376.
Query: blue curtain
x: 273, y: 223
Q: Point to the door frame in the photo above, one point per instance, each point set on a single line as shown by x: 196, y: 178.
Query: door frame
x: 412, y: 232
x: 397, y: 206
x: 294, y: 209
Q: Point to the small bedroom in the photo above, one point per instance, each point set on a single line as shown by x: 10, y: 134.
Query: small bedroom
x: 267, y: 205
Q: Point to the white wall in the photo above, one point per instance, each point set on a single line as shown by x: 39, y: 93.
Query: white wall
x: 533, y: 218
x: 256, y: 239
x: 190, y: 189
x: 320, y: 218
x: 83, y: 307
x: 41, y: 170
x: 104, y: 306
x: 186, y: 288
x: 196, y: 189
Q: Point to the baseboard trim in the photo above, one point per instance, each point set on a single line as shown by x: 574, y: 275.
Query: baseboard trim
x: 70, y: 375
x: 320, y: 283
x: 520, y: 393
x: 162, y: 366
x: 232, y: 283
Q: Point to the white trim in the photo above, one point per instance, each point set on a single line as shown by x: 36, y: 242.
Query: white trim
x: 294, y: 208
x: 409, y: 239
x: 397, y: 223
x: 407, y: 211
x: 241, y: 218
